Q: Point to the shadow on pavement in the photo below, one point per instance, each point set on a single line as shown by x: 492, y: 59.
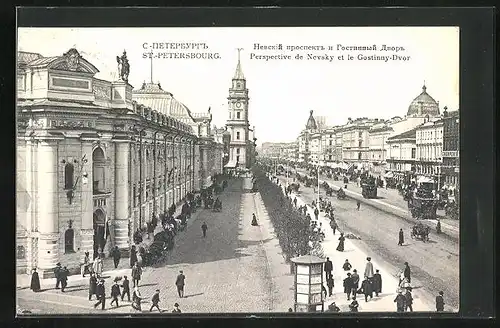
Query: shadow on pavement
x: 222, y: 241
x: 193, y: 295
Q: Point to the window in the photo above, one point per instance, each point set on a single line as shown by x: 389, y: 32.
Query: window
x: 330, y: 157
x: 68, y: 176
x: 413, y: 152
x: 237, y: 150
x: 359, y: 155
x: 330, y: 143
x: 69, y: 238
x: 360, y: 134
x: 237, y: 136
x: 237, y: 158
x: 229, y: 115
x: 360, y: 143
x: 237, y: 115
x: 20, y: 253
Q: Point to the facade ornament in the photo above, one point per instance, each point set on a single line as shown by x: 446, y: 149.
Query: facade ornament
x: 123, y: 66
x: 72, y: 58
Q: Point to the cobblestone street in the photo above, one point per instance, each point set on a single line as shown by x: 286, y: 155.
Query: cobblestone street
x: 236, y: 268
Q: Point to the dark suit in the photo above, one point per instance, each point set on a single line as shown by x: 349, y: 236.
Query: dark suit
x: 101, y: 296
x: 126, y: 289
x: 115, y: 292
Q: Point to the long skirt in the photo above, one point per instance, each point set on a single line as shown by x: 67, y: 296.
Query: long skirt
x: 340, y: 247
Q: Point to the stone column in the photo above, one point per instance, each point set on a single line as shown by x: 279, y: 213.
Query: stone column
x: 87, y: 228
x: 48, y: 217
x: 121, y: 194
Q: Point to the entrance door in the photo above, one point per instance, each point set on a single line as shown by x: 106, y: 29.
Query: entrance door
x: 99, y: 231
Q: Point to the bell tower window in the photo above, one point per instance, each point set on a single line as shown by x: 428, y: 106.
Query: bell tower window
x: 237, y: 115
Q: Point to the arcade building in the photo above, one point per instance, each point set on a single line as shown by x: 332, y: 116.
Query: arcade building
x: 97, y: 159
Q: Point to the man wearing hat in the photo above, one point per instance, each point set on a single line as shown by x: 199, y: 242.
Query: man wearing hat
x: 115, y: 292
x: 57, y: 274
x: 155, y: 300
x: 176, y: 308
x: 101, y: 294
x: 179, y: 282
x: 440, y: 302
x: 348, y: 286
x: 333, y: 307
x: 355, y: 283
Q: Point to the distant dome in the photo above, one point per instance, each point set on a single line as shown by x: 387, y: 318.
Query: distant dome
x: 311, y: 122
x: 423, y: 105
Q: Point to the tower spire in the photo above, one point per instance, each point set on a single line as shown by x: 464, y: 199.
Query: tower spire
x: 238, y: 74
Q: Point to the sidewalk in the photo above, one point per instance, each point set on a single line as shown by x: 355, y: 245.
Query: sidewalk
x: 385, y: 301
x: 448, y: 226
x: 23, y: 281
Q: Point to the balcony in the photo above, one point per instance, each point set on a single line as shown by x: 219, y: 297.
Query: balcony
x: 100, y: 199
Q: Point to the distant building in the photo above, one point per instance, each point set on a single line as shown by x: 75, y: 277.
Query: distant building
x: 402, y: 154
x: 355, y: 141
x: 304, y: 139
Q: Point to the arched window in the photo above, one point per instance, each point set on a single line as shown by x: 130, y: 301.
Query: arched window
x: 68, y: 176
x: 69, y: 241
x: 21, y: 253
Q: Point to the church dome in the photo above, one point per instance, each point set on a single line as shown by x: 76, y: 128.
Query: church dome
x: 423, y: 105
x: 311, y: 122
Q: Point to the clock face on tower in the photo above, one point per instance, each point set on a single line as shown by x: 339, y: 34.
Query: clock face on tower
x: 238, y: 105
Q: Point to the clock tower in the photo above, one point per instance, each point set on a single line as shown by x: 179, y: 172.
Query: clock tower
x: 237, y: 123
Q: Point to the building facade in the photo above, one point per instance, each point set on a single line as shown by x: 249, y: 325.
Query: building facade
x: 429, y: 144
x: 355, y: 141
x: 402, y: 154
x: 451, y: 149
x: 304, y: 139
x: 93, y: 164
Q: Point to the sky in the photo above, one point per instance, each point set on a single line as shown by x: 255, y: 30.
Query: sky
x: 282, y: 91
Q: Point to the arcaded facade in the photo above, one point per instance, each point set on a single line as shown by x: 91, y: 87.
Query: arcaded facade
x: 94, y: 164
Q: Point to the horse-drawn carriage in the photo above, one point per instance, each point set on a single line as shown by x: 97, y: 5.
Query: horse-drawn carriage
x: 295, y: 187
x: 421, y: 232
x: 369, y: 187
x: 422, y: 207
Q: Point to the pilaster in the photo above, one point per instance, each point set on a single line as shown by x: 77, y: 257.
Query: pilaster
x: 87, y: 226
x: 48, y: 218
x: 121, y: 194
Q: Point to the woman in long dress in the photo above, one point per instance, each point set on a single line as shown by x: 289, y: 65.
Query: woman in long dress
x: 340, y: 247
x: 254, y: 220
x: 35, y: 281
x: 98, y: 267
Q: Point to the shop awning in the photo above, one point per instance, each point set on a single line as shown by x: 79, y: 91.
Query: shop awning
x: 230, y: 164
x: 424, y: 179
x: 389, y: 175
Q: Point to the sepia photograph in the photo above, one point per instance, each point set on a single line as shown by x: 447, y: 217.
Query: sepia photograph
x: 165, y: 171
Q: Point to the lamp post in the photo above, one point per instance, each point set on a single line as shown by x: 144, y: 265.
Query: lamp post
x: 308, y: 282
x: 318, y: 183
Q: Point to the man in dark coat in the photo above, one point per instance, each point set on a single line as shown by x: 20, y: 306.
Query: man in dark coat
x: 63, y: 275
x: 204, y: 229
x: 115, y: 292
x: 358, y: 204
x: 407, y: 272
x: 328, y: 268
x: 354, y: 304
x: 254, y: 220
x: 92, y: 286
x: 133, y: 256
x: 440, y: 302
x: 136, y: 274
x: 366, y: 288
x: 401, y: 238
x: 101, y: 295
x: 57, y: 274
x: 126, y: 288
x: 155, y: 300
x: 400, y: 302
x: 35, y: 281
x: 355, y: 283
x: 348, y: 286
x: 179, y: 282
x: 116, y: 256
x: 316, y: 213
x: 330, y: 284
x: 377, y: 283
x: 408, y: 300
